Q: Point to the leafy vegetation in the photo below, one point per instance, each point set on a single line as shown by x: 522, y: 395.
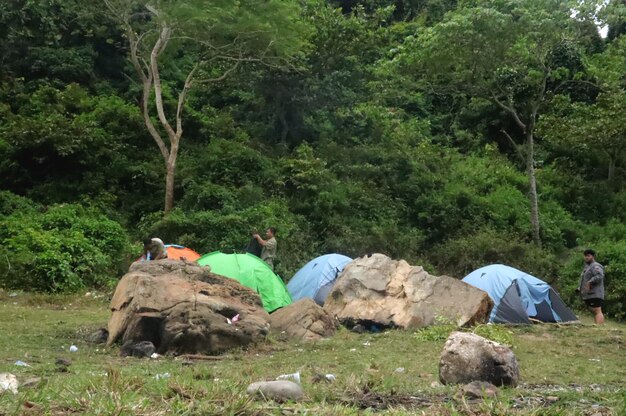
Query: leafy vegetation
x: 452, y: 134
x: 59, y: 248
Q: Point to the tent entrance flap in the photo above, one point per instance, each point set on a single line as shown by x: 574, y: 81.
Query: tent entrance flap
x: 560, y: 308
x: 544, y: 312
x: 510, y: 310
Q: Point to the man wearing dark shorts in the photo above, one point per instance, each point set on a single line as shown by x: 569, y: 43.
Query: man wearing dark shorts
x: 592, y: 285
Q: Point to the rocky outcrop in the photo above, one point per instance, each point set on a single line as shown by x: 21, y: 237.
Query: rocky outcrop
x: 469, y: 357
x: 182, y: 307
x: 378, y: 290
x: 304, y: 320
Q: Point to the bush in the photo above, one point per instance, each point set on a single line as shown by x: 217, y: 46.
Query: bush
x: 62, y: 249
x: 459, y: 257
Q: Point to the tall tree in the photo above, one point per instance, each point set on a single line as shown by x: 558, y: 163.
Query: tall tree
x: 597, y: 126
x: 504, y: 52
x: 205, y: 41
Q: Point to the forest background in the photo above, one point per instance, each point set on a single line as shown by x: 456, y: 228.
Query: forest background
x: 451, y: 134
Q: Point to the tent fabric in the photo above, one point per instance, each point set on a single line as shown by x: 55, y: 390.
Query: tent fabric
x: 251, y: 272
x: 538, y: 300
x: 176, y: 252
x: 511, y: 310
x: 561, y: 308
x: 316, y: 279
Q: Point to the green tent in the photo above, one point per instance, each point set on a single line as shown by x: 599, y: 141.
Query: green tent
x: 251, y: 272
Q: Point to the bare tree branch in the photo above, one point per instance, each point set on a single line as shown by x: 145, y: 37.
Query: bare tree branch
x: 515, y: 145
x: 221, y: 77
x: 159, y: 46
x: 181, y: 101
x: 509, y: 109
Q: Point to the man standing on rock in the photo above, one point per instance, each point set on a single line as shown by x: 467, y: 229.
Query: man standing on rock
x: 269, y: 246
x: 592, y: 285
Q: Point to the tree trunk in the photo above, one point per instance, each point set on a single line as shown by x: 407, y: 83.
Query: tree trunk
x: 532, y: 185
x: 169, y: 187
x: 612, y: 163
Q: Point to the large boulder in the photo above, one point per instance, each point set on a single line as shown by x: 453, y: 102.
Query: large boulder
x: 182, y: 307
x: 303, y: 319
x: 470, y: 357
x: 378, y: 290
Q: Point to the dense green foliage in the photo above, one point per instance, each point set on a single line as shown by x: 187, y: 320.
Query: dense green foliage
x: 377, y: 126
x: 58, y: 248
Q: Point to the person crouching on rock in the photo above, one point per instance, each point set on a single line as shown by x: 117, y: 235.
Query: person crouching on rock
x: 153, y: 249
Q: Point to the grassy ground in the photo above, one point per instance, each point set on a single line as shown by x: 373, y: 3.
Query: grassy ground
x: 565, y: 370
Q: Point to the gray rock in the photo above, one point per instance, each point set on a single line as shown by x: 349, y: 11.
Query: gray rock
x: 358, y: 328
x: 98, y: 337
x: 304, y: 320
x: 30, y: 382
x: 386, y: 293
x: 279, y: 390
x: 469, y: 357
x: 137, y: 349
x: 479, y: 390
x: 64, y: 362
x: 183, y: 308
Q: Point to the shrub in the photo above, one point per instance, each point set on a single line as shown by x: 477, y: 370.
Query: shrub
x: 65, y: 248
x: 459, y: 257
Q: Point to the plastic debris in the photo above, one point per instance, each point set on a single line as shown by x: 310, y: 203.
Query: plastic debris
x: 154, y: 356
x: 73, y: 348
x: 367, y: 344
x: 235, y: 318
x: 399, y: 370
x: 8, y: 382
x: 353, y: 350
x: 330, y: 377
x: 21, y: 363
x: 162, y: 376
x: 295, y: 377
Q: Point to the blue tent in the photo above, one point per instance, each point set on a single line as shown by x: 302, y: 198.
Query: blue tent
x: 316, y: 279
x: 518, y: 296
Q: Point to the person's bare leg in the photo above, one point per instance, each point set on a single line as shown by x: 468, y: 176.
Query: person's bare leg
x: 598, y: 317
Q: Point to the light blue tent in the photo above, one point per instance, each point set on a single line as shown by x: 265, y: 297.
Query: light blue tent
x: 518, y: 296
x: 316, y: 279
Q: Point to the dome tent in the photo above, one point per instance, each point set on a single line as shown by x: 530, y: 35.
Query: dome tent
x: 518, y: 296
x: 316, y: 279
x: 176, y: 252
x: 251, y: 272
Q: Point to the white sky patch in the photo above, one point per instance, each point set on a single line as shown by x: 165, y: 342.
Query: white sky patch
x: 603, y: 27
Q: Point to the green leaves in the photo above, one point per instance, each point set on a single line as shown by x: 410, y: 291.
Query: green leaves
x: 63, y: 248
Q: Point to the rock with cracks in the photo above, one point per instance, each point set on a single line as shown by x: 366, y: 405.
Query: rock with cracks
x: 304, y: 320
x: 182, y: 307
x: 378, y: 290
x: 469, y: 357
